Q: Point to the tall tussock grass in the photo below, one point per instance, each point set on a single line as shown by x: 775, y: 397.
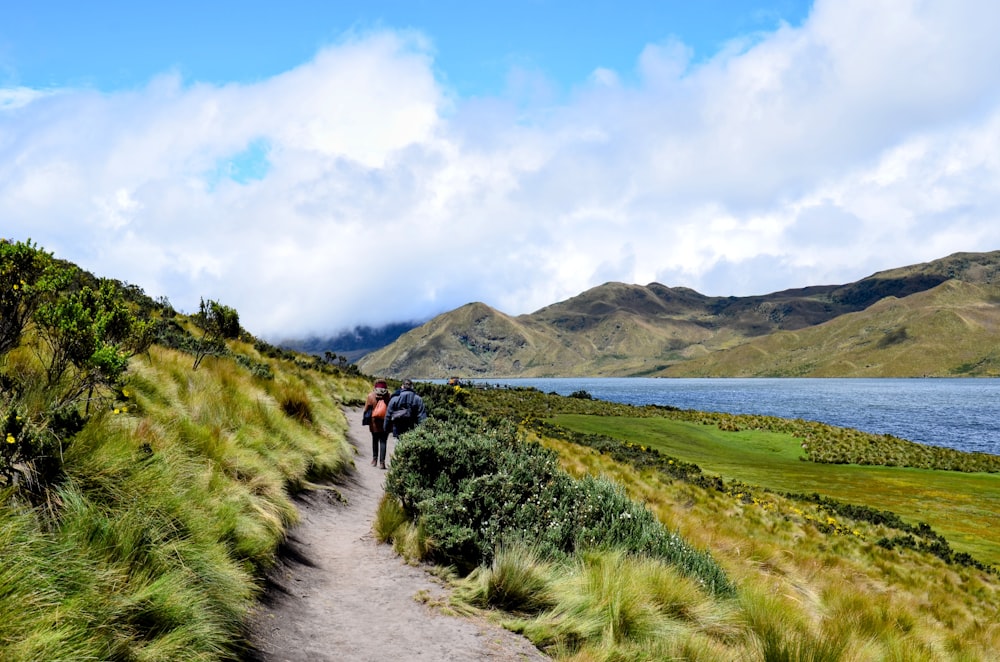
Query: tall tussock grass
x: 602, y: 605
x: 518, y: 580
x: 172, y: 506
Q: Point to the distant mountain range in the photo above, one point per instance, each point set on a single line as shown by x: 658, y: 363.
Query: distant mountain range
x: 940, y: 318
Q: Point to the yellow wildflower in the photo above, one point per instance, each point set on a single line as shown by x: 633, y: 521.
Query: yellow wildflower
x: 10, y: 438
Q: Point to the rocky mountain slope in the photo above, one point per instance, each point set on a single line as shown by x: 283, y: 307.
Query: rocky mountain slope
x: 938, y: 318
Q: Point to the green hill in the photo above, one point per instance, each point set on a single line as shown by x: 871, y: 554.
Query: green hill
x: 950, y: 330
x: 147, y: 465
x: 618, y: 329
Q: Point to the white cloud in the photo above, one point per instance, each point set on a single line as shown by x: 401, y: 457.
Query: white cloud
x: 16, y: 97
x: 354, y: 189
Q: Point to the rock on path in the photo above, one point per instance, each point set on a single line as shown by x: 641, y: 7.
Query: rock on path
x: 339, y: 595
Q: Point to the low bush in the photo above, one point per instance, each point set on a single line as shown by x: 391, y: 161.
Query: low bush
x: 478, y: 489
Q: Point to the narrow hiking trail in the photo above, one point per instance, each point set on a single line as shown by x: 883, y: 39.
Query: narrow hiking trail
x: 337, y: 594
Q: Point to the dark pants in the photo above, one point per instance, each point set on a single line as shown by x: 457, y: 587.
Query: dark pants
x: 379, y: 442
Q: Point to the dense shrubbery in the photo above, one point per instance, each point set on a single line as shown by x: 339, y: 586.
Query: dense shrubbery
x: 477, y: 489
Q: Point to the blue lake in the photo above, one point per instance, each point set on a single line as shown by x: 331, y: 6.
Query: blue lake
x: 957, y: 413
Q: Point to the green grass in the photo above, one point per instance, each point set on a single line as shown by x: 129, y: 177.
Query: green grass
x: 961, y: 506
x: 171, y: 507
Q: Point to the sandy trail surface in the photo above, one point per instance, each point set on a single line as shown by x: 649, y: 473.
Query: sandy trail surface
x: 337, y: 594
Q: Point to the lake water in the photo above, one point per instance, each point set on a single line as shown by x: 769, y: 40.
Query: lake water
x: 957, y: 413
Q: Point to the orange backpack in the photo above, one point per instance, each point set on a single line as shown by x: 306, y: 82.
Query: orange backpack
x: 380, y: 408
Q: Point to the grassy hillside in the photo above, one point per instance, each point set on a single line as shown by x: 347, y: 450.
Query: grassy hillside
x: 472, y: 340
x: 144, y: 498
x: 950, y: 330
x: 817, y: 565
x: 882, y: 325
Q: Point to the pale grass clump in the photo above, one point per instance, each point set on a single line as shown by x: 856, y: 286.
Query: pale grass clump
x: 393, y: 526
x: 296, y: 403
x: 389, y: 519
x: 605, y: 605
x: 517, y: 581
x: 412, y: 543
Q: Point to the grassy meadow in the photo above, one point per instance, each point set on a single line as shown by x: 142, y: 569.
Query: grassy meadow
x: 821, y: 566
x: 961, y: 506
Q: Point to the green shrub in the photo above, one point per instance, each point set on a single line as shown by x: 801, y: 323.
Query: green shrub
x: 218, y: 323
x: 479, y: 489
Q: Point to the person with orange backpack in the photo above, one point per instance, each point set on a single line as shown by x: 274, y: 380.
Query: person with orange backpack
x: 376, y: 407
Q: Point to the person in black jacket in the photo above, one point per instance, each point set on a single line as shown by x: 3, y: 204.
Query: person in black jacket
x: 406, y: 410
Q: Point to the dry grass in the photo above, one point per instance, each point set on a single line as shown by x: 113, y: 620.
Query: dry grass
x: 804, y: 594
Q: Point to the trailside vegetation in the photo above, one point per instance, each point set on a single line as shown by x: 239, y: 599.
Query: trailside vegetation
x: 141, y: 501
x: 475, y: 489
x: 807, y: 577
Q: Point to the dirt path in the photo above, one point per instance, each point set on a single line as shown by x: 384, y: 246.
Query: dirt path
x: 339, y: 595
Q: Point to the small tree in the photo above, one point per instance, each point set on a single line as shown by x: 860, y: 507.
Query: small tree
x: 90, y: 334
x: 83, y: 331
x: 28, y: 276
x: 218, y: 324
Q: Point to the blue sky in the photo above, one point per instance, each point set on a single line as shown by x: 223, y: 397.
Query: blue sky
x: 297, y: 159
x: 116, y: 45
